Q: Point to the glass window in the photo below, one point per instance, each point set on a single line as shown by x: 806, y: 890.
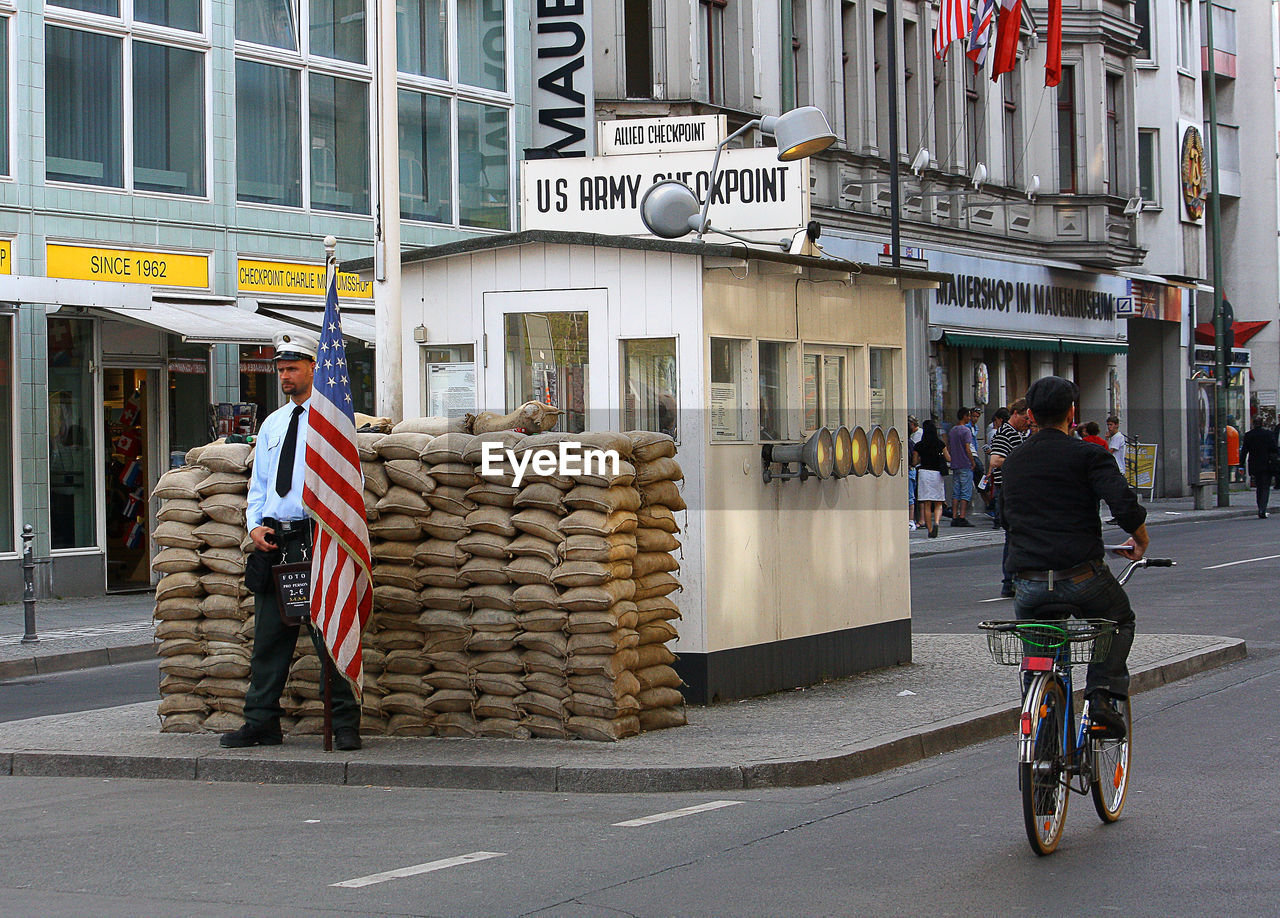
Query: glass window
x: 338, y: 29
x: 84, y: 112
x: 189, y: 398
x: 1148, y: 158
x: 449, y: 371
x: 883, y: 397
x: 637, y: 31
x: 4, y: 95
x: 726, y: 389
x: 360, y: 369
x: 547, y: 360
x: 1142, y: 16
x: 1114, y: 147
x: 176, y: 14
x: 421, y: 37
x: 71, y: 425
x: 1186, y: 36
x: 975, y: 110
x: 483, y: 171
x: 426, y: 180
x: 168, y: 119
x: 824, y: 390
x: 1067, y: 131
x: 482, y: 44
x: 649, y: 385
x: 258, y: 382
x: 267, y: 22
x: 339, y: 144
x: 774, y: 403
x: 1012, y: 128
x: 268, y: 117
x: 10, y: 435
x: 101, y: 7
x: 711, y: 27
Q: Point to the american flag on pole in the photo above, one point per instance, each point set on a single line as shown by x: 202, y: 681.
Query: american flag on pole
x: 953, y: 25
x: 984, y: 19
x: 341, y: 586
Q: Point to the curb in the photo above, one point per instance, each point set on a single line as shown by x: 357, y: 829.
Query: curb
x: 871, y: 757
x: 78, y: 659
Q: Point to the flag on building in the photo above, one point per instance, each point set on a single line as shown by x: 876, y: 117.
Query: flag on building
x: 953, y: 25
x: 341, y: 586
x: 980, y: 33
x: 1053, y: 45
x: 1008, y: 29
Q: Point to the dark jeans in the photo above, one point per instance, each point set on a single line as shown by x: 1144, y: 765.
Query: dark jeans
x: 273, y: 646
x: 1100, y: 596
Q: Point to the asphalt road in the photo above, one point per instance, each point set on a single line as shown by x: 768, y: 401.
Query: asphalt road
x: 944, y: 837
x: 79, y: 690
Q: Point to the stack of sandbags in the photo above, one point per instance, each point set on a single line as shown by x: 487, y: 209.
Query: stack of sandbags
x: 204, y: 614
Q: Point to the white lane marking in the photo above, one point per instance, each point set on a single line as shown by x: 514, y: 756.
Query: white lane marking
x: 418, y: 868
x: 1245, y: 561
x: 997, y: 599
x: 676, y: 814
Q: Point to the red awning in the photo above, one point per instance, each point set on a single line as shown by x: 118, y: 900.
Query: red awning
x: 1244, y: 331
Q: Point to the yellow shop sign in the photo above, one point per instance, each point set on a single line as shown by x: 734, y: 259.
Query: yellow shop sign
x: 293, y: 279
x: 6, y: 256
x: 159, y: 269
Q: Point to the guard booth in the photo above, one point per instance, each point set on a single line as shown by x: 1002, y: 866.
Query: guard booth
x: 737, y: 352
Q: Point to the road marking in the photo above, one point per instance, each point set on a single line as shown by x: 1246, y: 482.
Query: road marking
x: 417, y: 869
x: 1245, y: 561
x: 997, y: 599
x: 676, y: 814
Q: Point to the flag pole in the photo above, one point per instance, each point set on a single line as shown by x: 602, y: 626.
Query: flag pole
x: 326, y: 667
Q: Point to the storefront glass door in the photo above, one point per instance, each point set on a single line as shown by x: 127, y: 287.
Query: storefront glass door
x: 130, y: 426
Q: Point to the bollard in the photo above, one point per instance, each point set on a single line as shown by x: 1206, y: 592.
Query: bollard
x: 28, y: 587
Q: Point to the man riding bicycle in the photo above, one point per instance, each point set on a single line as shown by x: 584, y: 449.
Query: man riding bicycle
x: 1052, y: 486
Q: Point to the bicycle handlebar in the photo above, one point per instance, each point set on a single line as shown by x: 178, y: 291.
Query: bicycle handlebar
x: 1145, y: 562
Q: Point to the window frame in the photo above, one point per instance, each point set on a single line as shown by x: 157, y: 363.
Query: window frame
x: 711, y: 25
x: 788, y: 385
x: 8, y: 16
x: 622, y: 376
x: 1114, y: 131
x: 845, y: 352
x: 126, y: 29
x: 1011, y: 125
x: 1148, y: 57
x: 744, y: 409
x: 975, y: 105
x: 1070, y: 142
x: 1153, y: 202
x: 1187, y: 44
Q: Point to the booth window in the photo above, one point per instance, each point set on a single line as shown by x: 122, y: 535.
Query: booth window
x: 258, y: 382
x: 7, y: 522
x: 189, y: 398
x: 774, y: 390
x: 824, y: 388
x: 727, y: 390
x: 72, y: 408
x: 449, y: 375
x: 649, y: 385
x: 883, y: 396
x: 547, y: 361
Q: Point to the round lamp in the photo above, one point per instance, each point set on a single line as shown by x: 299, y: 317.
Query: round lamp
x: 877, y: 451
x: 844, y: 451
x: 893, y: 451
x: 799, y: 133
x: 669, y: 209
x: 861, y: 451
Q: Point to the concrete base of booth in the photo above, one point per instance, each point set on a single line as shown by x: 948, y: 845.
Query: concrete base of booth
x: 741, y: 672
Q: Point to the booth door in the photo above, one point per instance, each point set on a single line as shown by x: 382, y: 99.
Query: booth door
x: 132, y: 429
x: 550, y: 346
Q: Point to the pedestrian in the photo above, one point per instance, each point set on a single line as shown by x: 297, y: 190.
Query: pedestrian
x: 282, y: 534
x: 1008, y: 438
x: 979, y: 467
x: 912, y: 439
x: 1000, y: 419
x: 931, y: 458
x: 960, y: 445
x: 1262, y: 455
x: 1052, y: 485
x: 1093, y: 434
x: 1116, y: 441
x: 912, y: 427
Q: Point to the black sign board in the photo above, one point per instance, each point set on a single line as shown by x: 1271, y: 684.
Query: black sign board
x: 293, y: 591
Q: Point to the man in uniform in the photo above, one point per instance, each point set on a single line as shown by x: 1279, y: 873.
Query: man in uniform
x: 280, y: 529
x: 1052, y: 485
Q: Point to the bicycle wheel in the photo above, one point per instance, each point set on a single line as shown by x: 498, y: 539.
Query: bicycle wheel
x: 1044, y: 791
x: 1110, y: 785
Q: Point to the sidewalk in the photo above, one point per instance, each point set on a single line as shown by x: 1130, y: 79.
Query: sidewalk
x: 950, y: 696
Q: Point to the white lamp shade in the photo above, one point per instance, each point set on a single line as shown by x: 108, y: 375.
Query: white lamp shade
x: 669, y: 209
x: 800, y: 133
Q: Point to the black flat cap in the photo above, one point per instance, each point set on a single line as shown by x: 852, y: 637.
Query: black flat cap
x: 1052, y: 396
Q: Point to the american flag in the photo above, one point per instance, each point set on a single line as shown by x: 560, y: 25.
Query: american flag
x: 980, y: 37
x: 341, y: 587
x: 953, y: 25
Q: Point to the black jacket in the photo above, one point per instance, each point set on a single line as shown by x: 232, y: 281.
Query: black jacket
x: 1257, y: 447
x: 1052, y: 485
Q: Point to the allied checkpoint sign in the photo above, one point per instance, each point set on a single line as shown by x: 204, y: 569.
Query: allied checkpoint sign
x: 754, y: 191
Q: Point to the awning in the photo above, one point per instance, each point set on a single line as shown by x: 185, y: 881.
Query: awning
x: 1035, y: 343
x: 358, y: 325
x: 199, y: 323
x: 1244, y: 331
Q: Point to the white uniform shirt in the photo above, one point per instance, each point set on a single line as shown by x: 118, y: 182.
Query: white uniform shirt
x: 263, y: 499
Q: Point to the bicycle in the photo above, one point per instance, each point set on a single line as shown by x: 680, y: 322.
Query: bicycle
x: 1054, y: 757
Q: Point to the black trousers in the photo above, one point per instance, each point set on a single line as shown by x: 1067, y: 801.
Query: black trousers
x: 273, y: 646
x: 1263, y: 484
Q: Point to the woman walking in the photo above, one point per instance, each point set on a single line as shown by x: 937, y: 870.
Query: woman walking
x: 931, y: 457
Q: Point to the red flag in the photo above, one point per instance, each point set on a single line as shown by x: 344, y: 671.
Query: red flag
x: 1053, y: 45
x: 341, y: 586
x: 1007, y: 29
x: 953, y: 25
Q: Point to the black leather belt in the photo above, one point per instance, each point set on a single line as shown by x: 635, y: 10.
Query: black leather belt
x: 288, y: 530
x: 1078, y: 574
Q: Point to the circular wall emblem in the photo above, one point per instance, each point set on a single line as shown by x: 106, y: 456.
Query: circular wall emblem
x: 1193, y: 190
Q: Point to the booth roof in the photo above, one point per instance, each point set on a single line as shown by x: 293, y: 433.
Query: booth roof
x: 645, y: 244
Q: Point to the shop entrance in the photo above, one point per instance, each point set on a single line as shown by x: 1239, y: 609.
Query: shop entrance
x: 131, y: 428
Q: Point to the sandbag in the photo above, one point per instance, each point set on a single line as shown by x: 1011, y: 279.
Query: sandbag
x: 180, y: 484
x: 224, y: 560
x: 595, y: 728
x: 435, y: 426
x: 224, y: 483
x: 593, y: 522
x: 647, y: 446
x: 220, y: 535
x: 375, y: 478
x: 491, y: 519
x: 662, y: 718
x: 226, y: 457
x: 605, y: 500
x: 651, y: 539
x: 396, y: 527
x: 400, y: 499
x: 225, y: 508
x: 411, y: 474
x: 449, y: 448
x: 441, y: 525
x: 664, y: 493
x: 451, y: 500
x: 175, y: 560
x: 177, y: 535
x: 367, y: 445
x: 453, y: 474
x: 403, y: 445
x: 534, y: 546
x: 179, y: 510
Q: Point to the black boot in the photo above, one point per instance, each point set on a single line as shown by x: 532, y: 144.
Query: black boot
x: 249, y: 735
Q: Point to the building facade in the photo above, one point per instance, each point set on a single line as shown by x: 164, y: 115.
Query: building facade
x: 167, y: 174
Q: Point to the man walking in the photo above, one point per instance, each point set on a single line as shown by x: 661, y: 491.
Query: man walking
x: 960, y: 445
x: 1007, y: 439
x: 279, y: 527
x: 1258, y: 452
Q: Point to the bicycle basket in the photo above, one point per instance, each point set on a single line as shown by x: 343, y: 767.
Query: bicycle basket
x: 1071, y: 641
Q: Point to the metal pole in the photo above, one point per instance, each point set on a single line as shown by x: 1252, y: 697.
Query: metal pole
x: 386, y: 278
x: 28, y: 587
x: 895, y: 228
x: 1219, y: 326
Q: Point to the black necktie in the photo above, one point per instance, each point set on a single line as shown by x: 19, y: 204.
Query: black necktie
x: 284, y: 471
